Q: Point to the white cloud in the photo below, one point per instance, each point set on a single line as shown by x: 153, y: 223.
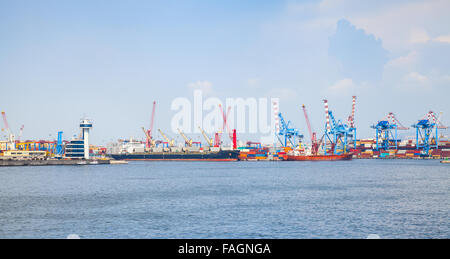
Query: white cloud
x: 400, y: 25
x: 417, y: 82
x: 205, y: 86
x: 402, y: 61
x: 416, y: 77
x: 419, y: 36
x: 392, y: 22
x: 443, y: 39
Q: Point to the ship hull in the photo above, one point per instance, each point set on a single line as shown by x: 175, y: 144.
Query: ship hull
x: 320, y: 158
x: 221, y: 156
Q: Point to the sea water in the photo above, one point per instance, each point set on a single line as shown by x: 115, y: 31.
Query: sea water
x: 345, y: 199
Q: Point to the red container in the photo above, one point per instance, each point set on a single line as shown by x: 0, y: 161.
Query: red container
x: 445, y: 154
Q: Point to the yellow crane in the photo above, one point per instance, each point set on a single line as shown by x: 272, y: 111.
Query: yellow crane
x: 208, y: 140
x: 148, y: 137
x: 170, y: 142
x: 186, y: 139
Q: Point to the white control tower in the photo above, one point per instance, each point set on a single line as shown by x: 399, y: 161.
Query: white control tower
x: 85, y: 126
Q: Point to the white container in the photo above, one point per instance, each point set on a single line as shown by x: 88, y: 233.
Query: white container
x: 157, y: 149
x: 192, y: 149
x: 215, y: 149
x: 175, y: 149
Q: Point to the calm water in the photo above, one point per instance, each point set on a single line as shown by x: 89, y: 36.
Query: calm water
x: 393, y: 199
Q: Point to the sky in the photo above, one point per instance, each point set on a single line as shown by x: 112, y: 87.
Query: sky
x: 108, y: 60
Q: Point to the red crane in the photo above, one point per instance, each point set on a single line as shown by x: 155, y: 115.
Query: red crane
x: 148, y: 142
x: 217, y: 140
x: 225, y: 121
x: 218, y: 135
x: 394, y: 121
x: 5, y: 121
x: 351, y: 118
x: 432, y: 117
x: 314, y: 142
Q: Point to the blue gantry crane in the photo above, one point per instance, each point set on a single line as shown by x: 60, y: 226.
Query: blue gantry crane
x: 338, y: 135
x: 387, y: 132
x: 425, y: 128
x: 288, y: 135
x: 59, y: 145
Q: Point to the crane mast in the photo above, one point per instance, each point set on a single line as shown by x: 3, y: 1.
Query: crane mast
x: 351, y: 118
x: 386, y: 133
x: 327, y: 114
x: 427, y: 132
x: 148, y: 133
x: 289, y: 134
x: 218, y: 135
x: 307, y: 122
x: 11, y: 137
x: 432, y: 116
x: 5, y: 121
x: 20, y: 132
x: 337, y: 133
x: 225, y: 121
x: 314, y: 144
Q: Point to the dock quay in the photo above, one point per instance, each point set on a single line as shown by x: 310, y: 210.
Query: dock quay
x: 50, y: 162
x: 118, y: 162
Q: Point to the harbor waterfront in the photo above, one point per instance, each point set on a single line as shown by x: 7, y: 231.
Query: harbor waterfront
x: 339, y: 142
x: 225, y: 126
x: 342, y: 199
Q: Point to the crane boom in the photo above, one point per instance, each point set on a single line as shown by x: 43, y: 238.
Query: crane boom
x: 314, y: 143
x: 164, y: 136
x: 186, y: 139
x: 169, y: 142
x: 21, y: 131
x: 152, y: 120
x: 146, y: 133
x: 394, y: 121
x: 225, y: 121
x: 307, y: 122
x: 208, y: 140
x: 5, y: 121
x: 436, y: 120
x: 440, y: 116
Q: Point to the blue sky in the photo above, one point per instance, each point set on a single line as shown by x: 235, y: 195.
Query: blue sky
x: 60, y: 60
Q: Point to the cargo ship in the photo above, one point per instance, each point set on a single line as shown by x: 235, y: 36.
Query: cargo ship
x: 222, y: 155
x: 135, y: 150
x: 347, y: 156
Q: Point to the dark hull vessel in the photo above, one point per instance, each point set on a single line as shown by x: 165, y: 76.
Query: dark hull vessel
x: 320, y: 157
x: 231, y: 155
